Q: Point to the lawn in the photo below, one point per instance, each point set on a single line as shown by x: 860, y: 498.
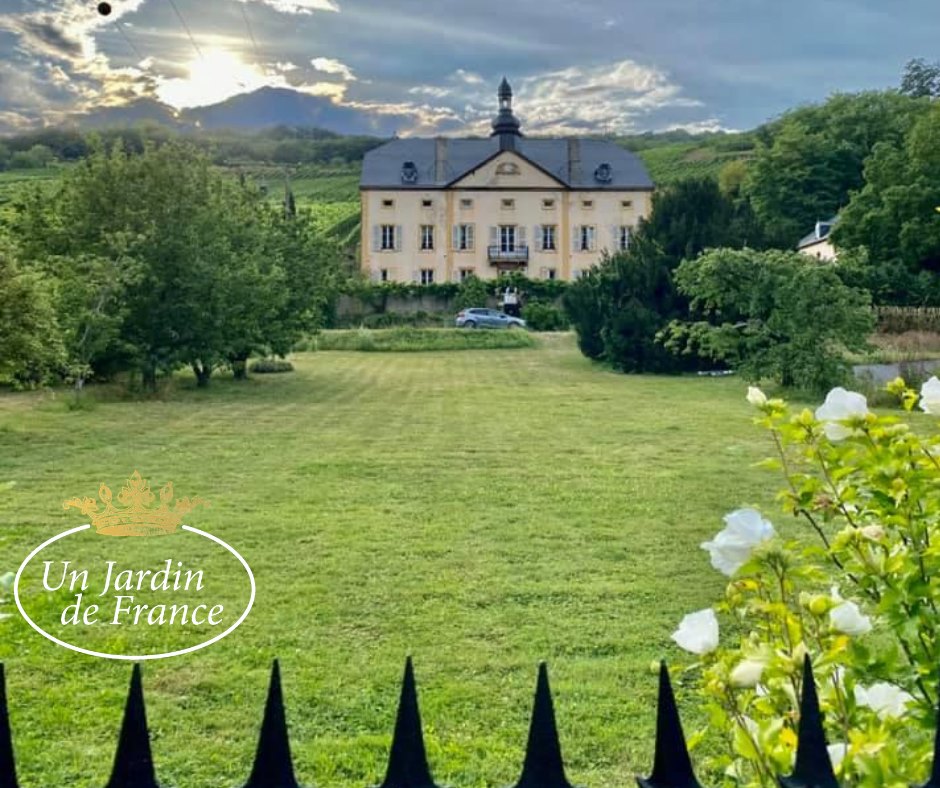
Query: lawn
x: 480, y: 510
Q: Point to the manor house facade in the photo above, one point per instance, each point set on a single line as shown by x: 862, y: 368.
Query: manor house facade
x: 439, y: 210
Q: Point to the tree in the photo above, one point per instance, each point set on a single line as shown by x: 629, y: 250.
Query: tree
x: 619, y: 306
x: 894, y: 217
x: 472, y: 292
x: 921, y: 79
x: 30, y: 349
x: 813, y: 158
x: 771, y: 314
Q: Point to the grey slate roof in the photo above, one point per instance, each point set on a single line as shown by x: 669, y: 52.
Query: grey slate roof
x: 820, y: 232
x: 573, y: 162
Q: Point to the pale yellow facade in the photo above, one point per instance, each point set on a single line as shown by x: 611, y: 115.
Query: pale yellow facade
x: 508, y: 214
x: 821, y: 250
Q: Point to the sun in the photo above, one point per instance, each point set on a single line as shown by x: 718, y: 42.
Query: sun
x: 217, y: 75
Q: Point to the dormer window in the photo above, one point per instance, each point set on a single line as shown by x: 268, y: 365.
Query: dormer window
x: 604, y: 173
x: 409, y: 172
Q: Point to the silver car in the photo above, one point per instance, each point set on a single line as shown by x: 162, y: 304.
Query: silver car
x: 487, y: 318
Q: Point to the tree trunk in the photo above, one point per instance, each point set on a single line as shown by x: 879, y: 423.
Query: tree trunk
x: 203, y: 373
x: 240, y: 367
x: 149, y: 377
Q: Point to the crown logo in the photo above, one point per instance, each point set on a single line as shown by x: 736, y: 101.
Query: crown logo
x: 135, y: 516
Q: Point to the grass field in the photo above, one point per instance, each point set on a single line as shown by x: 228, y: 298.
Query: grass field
x: 480, y: 510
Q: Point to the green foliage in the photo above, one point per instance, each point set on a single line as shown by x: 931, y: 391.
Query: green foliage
x: 542, y: 316
x: 408, y: 340
x: 855, y: 594
x: 162, y: 262
x: 894, y: 217
x: 618, y: 308
x: 771, y: 314
x: 419, y: 319
x: 31, y: 351
x: 814, y: 158
x: 271, y: 366
x: 921, y: 79
x: 472, y: 292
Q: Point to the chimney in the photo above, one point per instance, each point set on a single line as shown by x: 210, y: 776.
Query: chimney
x: 440, y: 160
x: 574, y: 161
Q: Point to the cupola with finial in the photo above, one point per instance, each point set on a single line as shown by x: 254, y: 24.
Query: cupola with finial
x: 506, y: 124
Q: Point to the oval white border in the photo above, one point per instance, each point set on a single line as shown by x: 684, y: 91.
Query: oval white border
x: 136, y: 657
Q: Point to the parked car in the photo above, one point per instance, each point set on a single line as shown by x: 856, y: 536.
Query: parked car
x: 487, y: 318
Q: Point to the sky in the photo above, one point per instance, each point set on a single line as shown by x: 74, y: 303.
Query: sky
x: 433, y: 66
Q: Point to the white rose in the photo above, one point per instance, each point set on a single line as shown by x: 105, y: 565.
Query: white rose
x: 698, y: 632
x: 884, y: 699
x: 732, y: 547
x: 848, y: 619
x: 837, y: 753
x: 756, y: 397
x: 747, y: 673
x: 930, y: 397
x: 839, y: 406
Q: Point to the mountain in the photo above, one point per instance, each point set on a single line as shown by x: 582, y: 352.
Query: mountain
x: 253, y: 111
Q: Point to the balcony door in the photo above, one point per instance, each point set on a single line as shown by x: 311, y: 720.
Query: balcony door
x: 507, y: 238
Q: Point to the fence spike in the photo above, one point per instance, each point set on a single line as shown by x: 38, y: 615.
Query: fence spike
x: 672, y: 767
x: 543, y: 766
x: 934, y: 781
x: 133, y: 761
x: 273, y: 766
x: 407, y: 760
x: 813, y: 766
x: 7, y: 763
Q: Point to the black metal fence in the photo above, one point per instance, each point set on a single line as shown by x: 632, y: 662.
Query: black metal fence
x: 543, y: 766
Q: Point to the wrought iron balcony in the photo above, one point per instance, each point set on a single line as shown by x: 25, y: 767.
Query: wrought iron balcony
x: 517, y: 254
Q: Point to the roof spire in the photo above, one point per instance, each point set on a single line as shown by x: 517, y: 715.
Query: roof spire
x: 505, y: 124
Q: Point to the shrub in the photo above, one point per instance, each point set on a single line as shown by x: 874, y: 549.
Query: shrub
x: 417, y: 340
x: 540, y: 316
x: 271, y: 366
x: 472, y: 292
x: 771, y: 314
x: 856, y: 594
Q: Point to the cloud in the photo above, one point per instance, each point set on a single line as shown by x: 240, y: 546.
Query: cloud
x: 298, y: 6
x: 330, y: 66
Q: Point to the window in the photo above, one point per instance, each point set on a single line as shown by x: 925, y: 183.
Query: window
x: 548, y: 238
x: 427, y: 237
x: 427, y: 203
x: 465, y: 203
x: 388, y: 203
x: 550, y: 273
x: 548, y: 204
x: 587, y: 204
x: 466, y: 273
x: 507, y: 238
x: 623, y: 238
x: 427, y: 276
x: 463, y: 237
x: 388, y: 238
x: 383, y: 275
x: 509, y: 204
x: 626, y: 203
x: 585, y: 238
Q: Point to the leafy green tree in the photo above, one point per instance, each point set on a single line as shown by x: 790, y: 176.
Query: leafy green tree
x: 30, y: 346
x: 813, y: 158
x: 771, y: 314
x: 921, y: 79
x: 894, y: 218
x: 620, y: 305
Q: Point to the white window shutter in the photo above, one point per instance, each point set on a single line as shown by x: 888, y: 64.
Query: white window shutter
x: 455, y: 237
x: 538, y: 238
x: 576, y: 238
x: 398, y: 235
x: 470, y: 231
x: 521, y: 231
x: 415, y: 276
x: 376, y: 237
x: 543, y: 272
x: 629, y: 234
x: 615, y: 238
x: 494, y: 236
